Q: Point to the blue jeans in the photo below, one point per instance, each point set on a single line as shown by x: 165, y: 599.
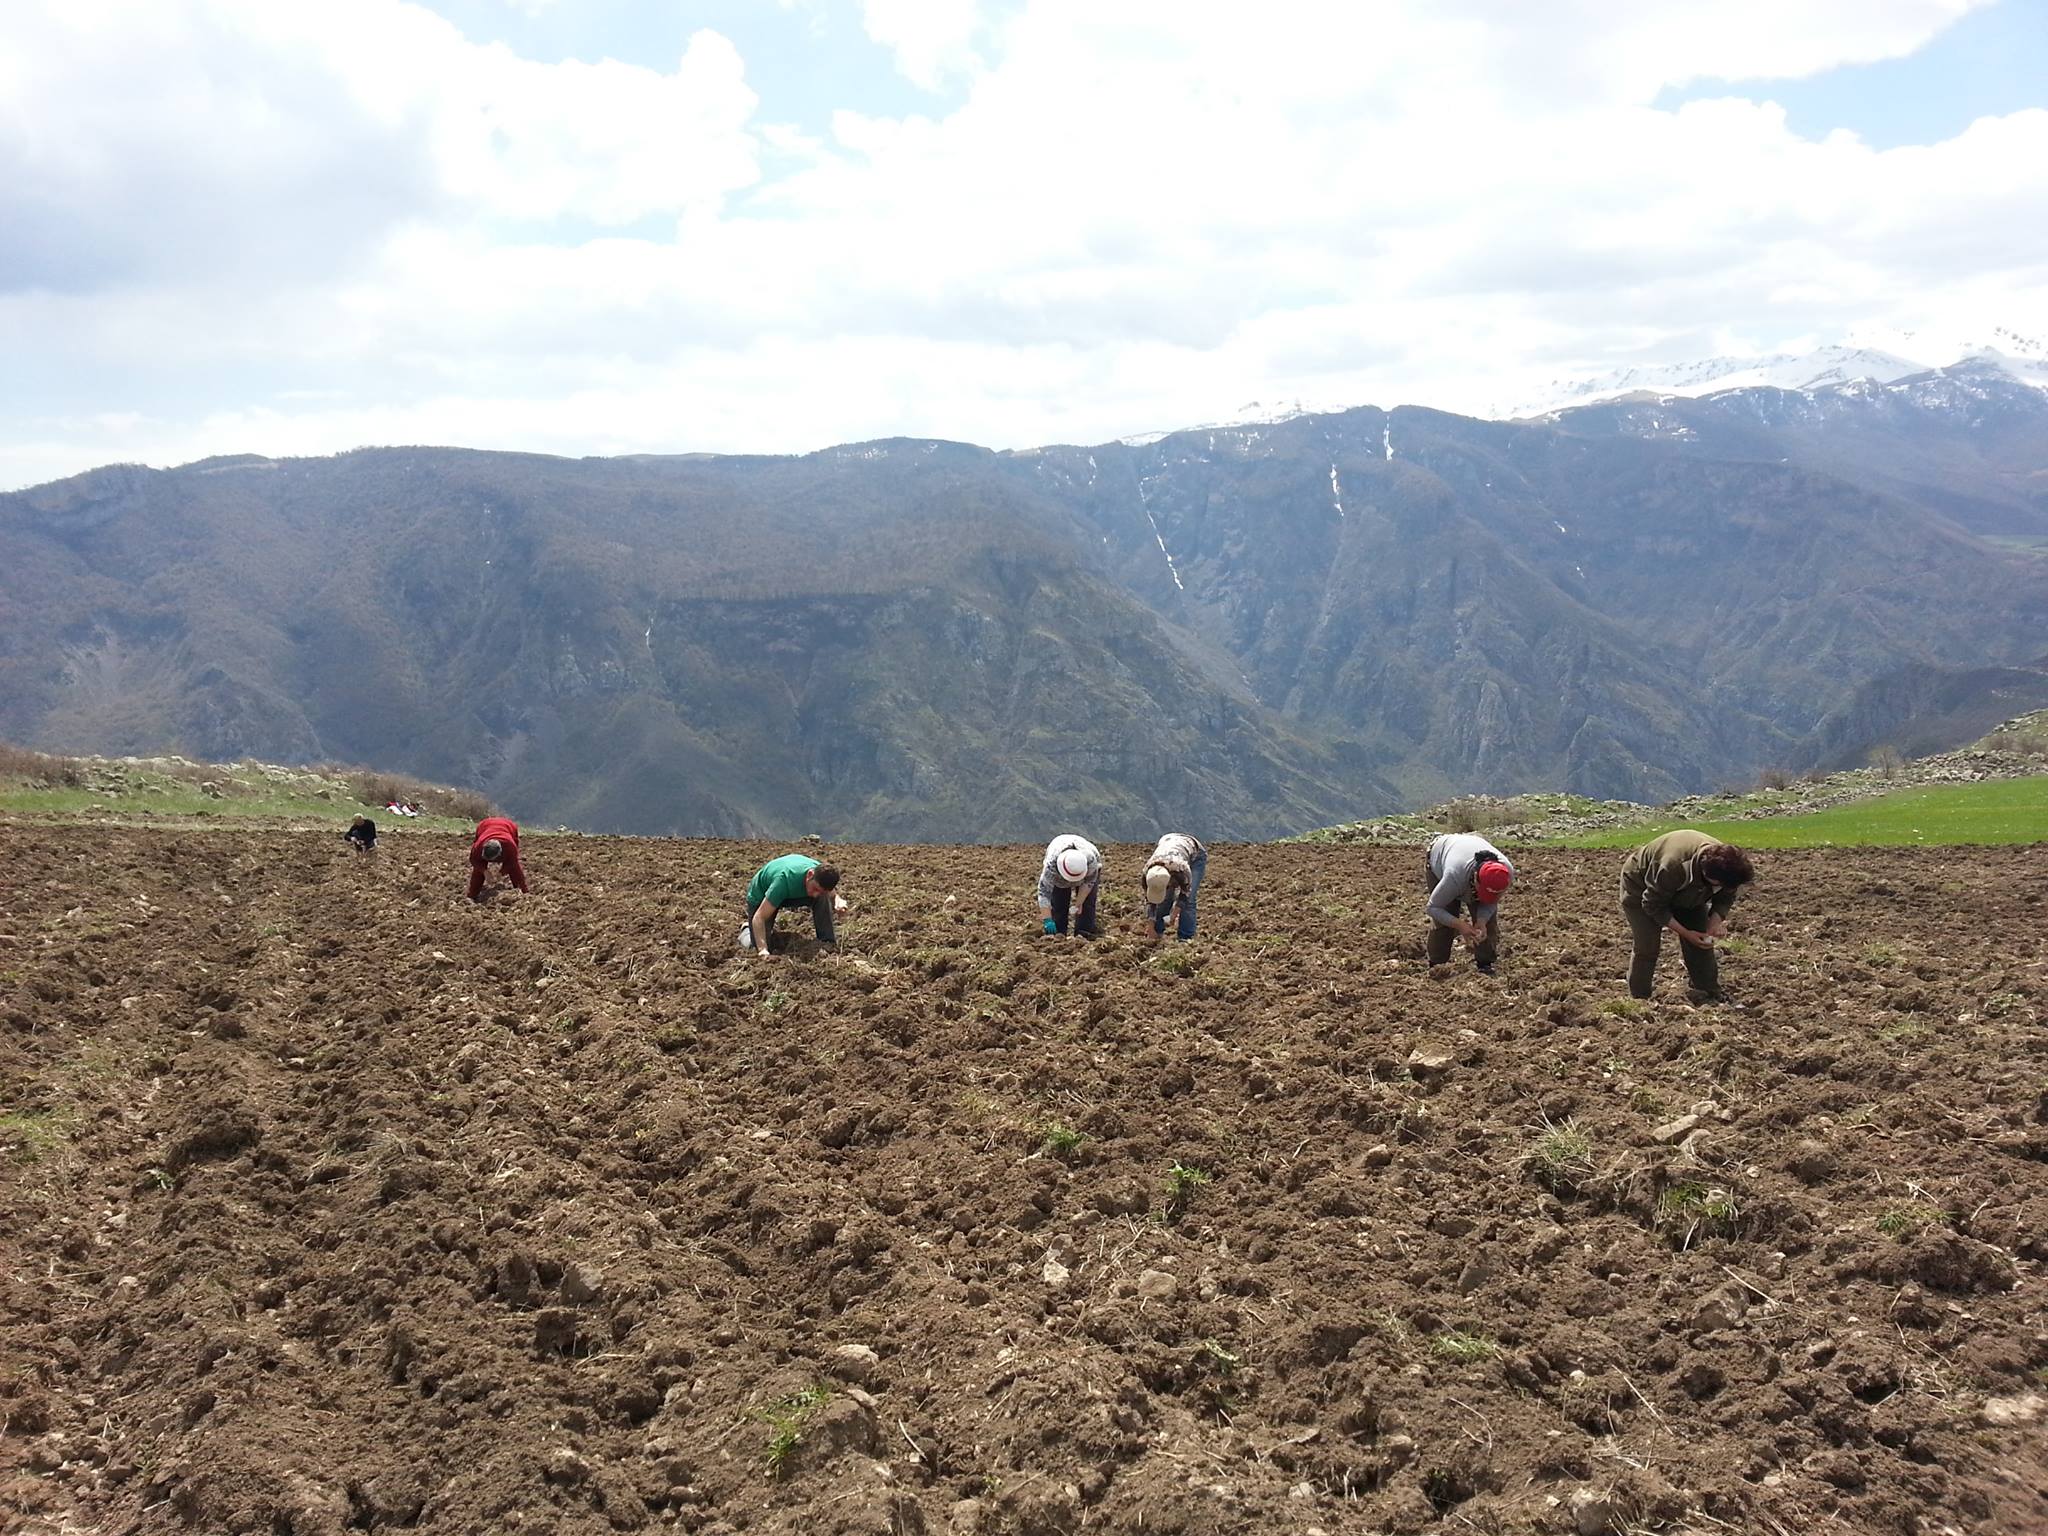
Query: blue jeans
x: 1186, y: 927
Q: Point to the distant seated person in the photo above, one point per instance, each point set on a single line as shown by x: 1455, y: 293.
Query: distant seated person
x: 1172, y: 877
x: 794, y: 880
x: 362, y: 834
x: 1069, y: 880
x: 496, y: 842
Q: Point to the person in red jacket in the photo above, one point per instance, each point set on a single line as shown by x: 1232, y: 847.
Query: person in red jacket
x: 497, y: 842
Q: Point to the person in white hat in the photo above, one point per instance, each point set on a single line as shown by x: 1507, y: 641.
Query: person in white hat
x: 1172, y: 876
x: 1068, y: 883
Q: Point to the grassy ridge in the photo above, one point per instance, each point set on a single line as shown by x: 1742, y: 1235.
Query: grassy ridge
x: 176, y: 789
x: 143, y: 805
x: 1994, y: 811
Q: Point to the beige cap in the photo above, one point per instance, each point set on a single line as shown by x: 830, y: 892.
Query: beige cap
x: 1157, y: 882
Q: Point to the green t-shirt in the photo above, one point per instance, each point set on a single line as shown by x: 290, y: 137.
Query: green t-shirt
x: 781, y: 881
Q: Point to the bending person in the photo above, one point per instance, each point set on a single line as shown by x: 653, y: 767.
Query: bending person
x: 1464, y: 871
x: 1069, y: 880
x: 496, y: 842
x: 793, y: 880
x: 1686, y: 882
x: 1172, y: 877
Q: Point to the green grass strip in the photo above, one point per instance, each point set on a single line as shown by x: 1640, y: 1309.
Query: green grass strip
x: 1939, y: 815
x: 60, y: 804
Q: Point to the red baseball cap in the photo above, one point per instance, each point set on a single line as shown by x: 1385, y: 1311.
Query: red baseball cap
x: 1494, y: 879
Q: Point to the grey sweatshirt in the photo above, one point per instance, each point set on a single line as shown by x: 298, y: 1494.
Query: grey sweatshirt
x: 1453, y: 860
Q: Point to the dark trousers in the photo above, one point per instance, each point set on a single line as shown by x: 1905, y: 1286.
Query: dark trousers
x: 1441, y: 939
x: 1702, y: 966
x: 821, y: 918
x: 1063, y: 905
x: 1185, y: 927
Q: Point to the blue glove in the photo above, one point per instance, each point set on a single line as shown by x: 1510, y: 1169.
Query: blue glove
x: 1051, y: 926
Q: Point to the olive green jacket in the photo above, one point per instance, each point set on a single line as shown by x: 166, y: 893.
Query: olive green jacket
x: 1663, y: 874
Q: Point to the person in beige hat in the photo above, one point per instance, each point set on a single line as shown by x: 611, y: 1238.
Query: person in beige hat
x: 1172, y: 876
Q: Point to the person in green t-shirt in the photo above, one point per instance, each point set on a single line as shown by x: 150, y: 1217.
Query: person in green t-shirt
x: 790, y: 881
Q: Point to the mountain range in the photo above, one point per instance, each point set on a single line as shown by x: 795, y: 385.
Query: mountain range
x: 1876, y: 361
x: 1245, y: 630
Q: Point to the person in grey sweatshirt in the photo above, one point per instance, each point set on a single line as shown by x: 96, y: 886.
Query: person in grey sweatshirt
x: 1069, y: 880
x: 1464, y: 870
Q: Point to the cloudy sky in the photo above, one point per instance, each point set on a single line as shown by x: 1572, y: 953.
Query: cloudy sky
x: 597, y: 226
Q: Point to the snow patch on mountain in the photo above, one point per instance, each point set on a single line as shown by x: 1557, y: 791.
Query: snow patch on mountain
x: 1253, y: 413
x: 1707, y: 376
x: 1872, y: 357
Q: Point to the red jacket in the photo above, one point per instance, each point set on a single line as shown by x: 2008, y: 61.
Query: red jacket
x: 506, y: 831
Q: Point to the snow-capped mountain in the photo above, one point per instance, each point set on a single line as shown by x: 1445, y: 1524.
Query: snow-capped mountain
x: 1253, y: 413
x: 2024, y: 357
x: 2021, y: 357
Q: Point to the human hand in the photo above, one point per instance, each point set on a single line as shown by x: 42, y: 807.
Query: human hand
x: 1051, y: 926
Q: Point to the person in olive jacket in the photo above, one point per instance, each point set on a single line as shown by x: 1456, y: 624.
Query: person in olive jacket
x: 1686, y: 882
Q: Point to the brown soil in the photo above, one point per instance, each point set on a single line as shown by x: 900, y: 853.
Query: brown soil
x: 336, y: 1203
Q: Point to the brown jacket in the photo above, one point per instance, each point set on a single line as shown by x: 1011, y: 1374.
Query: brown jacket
x: 1175, y: 853
x: 1663, y: 874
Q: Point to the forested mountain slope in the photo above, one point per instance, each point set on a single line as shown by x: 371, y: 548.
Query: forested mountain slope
x: 1244, y: 629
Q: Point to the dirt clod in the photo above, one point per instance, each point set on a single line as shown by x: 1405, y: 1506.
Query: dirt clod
x: 1675, y: 1130
x: 2006, y: 1412
x: 855, y: 1362
x: 1157, y: 1285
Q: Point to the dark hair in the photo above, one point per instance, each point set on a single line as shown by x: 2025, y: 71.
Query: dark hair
x: 492, y: 851
x: 1725, y: 864
x: 826, y: 876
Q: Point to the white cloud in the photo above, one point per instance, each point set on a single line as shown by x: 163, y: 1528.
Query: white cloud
x: 274, y: 228
x: 184, y: 128
x: 933, y: 40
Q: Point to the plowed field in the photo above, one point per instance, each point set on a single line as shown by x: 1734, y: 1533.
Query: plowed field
x: 332, y: 1202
